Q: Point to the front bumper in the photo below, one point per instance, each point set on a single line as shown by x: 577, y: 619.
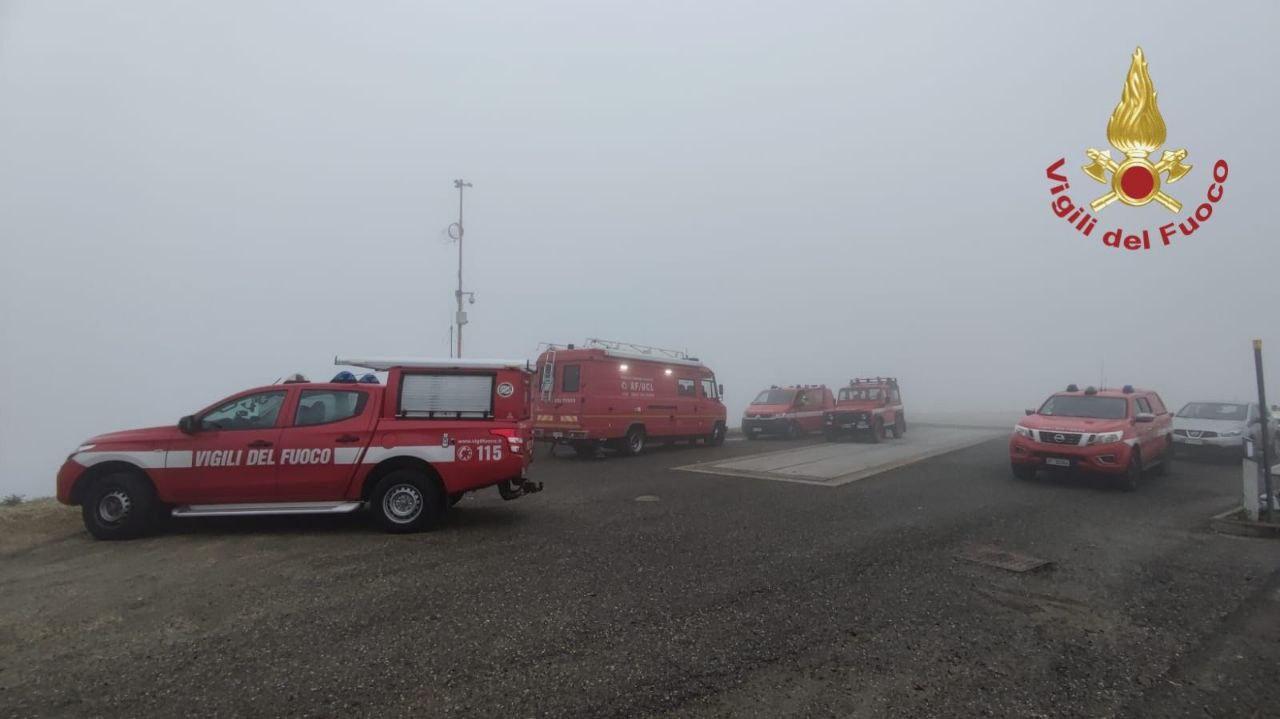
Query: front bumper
x: 1104, y: 458
x: 66, y: 480
x: 770, y: 425
x: 847, y: 422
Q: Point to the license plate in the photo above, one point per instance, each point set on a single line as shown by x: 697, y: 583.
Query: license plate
x: 1190, y: 440
x: 557, y: 435
x: 1057, y: 462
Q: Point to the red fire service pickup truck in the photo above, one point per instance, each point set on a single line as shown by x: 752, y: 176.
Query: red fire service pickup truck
x: 869, y: 406
x: 621, y: 395
x: 787, y: 411
x: 406, y: 449
x: 1116, y: 432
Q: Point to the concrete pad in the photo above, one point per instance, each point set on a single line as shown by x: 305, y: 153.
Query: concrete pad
x: 832, y: 464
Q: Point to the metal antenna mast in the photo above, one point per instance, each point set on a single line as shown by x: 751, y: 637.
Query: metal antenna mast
x: 456, y: 232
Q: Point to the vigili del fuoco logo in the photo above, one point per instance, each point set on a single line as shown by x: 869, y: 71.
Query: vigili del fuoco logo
x: 1137, y: 130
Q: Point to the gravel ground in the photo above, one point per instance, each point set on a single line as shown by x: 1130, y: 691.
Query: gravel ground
x: 724, y: 597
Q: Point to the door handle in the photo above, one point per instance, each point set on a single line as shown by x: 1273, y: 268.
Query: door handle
x: 260, y: 443
x: 347, y: 438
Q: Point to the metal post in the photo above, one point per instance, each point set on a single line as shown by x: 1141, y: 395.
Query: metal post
x: 457, y: 233
x: 1264, y: 429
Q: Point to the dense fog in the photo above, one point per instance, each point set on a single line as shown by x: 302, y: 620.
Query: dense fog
x: 196, y: 198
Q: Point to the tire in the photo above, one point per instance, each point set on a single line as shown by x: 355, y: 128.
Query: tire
x: 751, y: 436
x: 877, y: 431
x: 633, y: 443
x: 1133, y: 473
x: 830, y: 435
x: 120, y: 505
x: 716, y: 438
x: 1024, y: 472
x: 406, y: 501
x: 899, y: 426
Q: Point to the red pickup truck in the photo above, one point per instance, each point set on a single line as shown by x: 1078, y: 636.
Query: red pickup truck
x: 406, y: 449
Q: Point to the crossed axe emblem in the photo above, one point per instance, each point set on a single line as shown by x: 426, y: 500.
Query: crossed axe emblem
x: 1136, y: 172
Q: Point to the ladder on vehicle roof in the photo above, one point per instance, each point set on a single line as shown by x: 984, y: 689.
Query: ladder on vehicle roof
x: 549, y: 374
x: 641, y: 349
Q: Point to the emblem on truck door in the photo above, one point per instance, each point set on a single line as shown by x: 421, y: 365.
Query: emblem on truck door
x: 506, y: 389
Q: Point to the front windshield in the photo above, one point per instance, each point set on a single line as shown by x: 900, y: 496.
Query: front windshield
x: 1074, y: 405
x: 775, y: 396
x: 1214, y: 410
x: 856, y: 394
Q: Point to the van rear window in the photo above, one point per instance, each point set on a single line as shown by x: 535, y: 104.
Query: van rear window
x: 447, y: 396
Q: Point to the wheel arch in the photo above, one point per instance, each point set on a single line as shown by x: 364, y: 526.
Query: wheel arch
x: 102, y: 469
x: 392, y: 464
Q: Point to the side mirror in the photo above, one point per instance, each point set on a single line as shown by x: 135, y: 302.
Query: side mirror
x: 720, y: 390
x: 1144, y: 417
x: 1029, y: 412
x: 188, y: 425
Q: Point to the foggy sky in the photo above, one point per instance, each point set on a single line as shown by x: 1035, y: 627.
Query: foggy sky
x: 196, y: 198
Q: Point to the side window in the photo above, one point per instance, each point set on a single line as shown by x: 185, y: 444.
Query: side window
x: 1156, y: 405
x: 571, y: 378
x: 255, y: 411
x: 684, y: 387
x: 709, y: 388
x: 894, y: 397
x: 319, y: 406
x: 1143, y: 405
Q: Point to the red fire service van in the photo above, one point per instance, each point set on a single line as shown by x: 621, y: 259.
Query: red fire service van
x: 620, y: 395
x: 869, y: 406
x: 1120, y: 432
x: 787, y: 411
x: 406, y: 449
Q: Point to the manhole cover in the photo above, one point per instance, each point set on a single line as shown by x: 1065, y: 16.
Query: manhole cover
x: 1002, y: 558
x: 647, y: 498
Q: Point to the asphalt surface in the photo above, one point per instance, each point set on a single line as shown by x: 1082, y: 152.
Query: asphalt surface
x: 714, y: 596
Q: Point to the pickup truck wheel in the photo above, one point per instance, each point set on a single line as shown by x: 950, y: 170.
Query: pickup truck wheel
x: 750, y: 435
x: 793, y: 430
x: 120, y: 505
x: 1132, y: 474
x: 899, y: 426
x: 404, y: 501
x: 1166, y: 459
x: 633, y: 443
x: 877, y: 430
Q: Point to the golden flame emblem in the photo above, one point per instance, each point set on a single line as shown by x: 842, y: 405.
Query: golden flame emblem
x: 1137, y: 129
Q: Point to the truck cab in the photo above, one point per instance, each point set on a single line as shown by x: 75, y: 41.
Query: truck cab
x: 869, y: 407
x: 406, y: 449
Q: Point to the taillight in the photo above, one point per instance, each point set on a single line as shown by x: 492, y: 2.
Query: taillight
x: 515, y: 443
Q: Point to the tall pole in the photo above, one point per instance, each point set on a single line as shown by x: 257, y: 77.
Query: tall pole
x: 457, y: 232
x: 1264, y: 429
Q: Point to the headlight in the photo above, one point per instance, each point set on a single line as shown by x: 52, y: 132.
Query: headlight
x: 1106, y: 437
x: 1023, y: 432
x: 1232, y: 433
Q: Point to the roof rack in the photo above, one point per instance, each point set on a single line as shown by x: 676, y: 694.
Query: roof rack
x: 656, y: 352
x: 892, y: 381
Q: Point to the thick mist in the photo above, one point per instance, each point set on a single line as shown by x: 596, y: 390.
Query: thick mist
x: 196, y: 197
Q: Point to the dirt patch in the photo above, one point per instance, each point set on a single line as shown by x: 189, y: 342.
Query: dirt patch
x: 36, y: 522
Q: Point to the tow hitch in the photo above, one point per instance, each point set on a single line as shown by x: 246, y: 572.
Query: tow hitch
x: 515, y: 490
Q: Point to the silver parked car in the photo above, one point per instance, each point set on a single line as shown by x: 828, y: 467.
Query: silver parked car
x: 1217, y: 425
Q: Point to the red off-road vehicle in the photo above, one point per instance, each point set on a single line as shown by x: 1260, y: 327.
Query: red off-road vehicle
x: 406, y: 450
x: 869, y: 407
x: 1122, y: 433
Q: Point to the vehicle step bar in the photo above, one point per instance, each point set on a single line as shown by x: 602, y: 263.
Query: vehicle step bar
x: 237, y: 510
